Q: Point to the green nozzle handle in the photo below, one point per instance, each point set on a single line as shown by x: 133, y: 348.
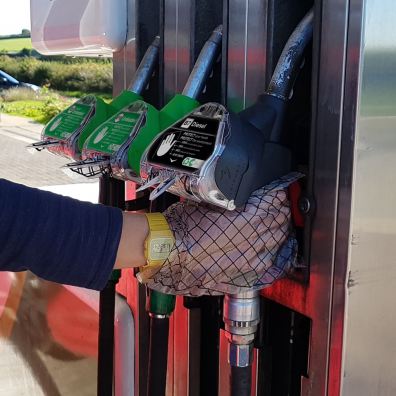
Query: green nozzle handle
x: 177, y: 108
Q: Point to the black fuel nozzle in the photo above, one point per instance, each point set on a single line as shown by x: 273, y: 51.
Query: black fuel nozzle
x: 256, y: 152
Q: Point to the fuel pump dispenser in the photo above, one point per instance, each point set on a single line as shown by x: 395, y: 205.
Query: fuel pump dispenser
x: 220, y: 158
x: 117, y: 151
x: 66, y: 133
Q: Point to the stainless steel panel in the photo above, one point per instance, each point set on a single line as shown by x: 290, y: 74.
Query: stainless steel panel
x: 177, y: 45
x: 326, y: 130
x: 247, y: 43
x: 370, y: 320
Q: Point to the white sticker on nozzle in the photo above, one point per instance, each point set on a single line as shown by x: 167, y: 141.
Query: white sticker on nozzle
x: 187, y: 123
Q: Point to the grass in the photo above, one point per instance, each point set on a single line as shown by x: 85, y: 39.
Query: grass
x: 42, y: 107
x: 79, y: 94
x: 25, y: 108
x: 86, y: 75
x: 15, y: 44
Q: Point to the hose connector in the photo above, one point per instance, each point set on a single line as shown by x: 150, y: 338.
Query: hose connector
x: 241, y: 315
x: 160, y: 305
x: 204, y: 64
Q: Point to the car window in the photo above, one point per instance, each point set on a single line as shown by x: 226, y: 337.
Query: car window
x: 8, y: 77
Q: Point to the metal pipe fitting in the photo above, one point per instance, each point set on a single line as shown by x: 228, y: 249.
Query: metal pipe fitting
x: 146, y: 68
x: 204, y: 64
x: 241, y: 315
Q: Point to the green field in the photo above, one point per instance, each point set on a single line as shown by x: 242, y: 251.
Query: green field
x: 15, y: 44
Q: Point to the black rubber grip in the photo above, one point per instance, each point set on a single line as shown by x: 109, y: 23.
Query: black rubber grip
x: 106, y: 340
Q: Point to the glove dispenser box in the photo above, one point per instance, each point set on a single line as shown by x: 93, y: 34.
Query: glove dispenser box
x: 78, y: 27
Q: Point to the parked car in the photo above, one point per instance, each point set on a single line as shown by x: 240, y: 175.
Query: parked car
x: 7, y: 81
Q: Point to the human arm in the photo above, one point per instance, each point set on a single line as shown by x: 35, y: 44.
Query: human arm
x: 65, y: 240
x: 130, y: 251
x: 79, y: 243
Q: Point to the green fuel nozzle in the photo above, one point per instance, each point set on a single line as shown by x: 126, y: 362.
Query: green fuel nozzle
x: 117, y: 146
x: 66, y: 133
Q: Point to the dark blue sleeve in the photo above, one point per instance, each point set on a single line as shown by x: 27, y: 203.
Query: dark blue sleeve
x: 58, y: 238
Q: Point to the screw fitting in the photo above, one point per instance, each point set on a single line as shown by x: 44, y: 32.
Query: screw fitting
x: 241, y: 318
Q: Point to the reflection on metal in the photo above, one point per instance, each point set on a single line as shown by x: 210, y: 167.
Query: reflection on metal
x: 48, y: 339
x: 369, y: 362
x: 247, y: 42
x: 124, y: 349
x: 124, y: 61
x: 177, y: 46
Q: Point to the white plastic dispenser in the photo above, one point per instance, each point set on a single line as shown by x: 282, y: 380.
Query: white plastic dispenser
x: 78, y: 27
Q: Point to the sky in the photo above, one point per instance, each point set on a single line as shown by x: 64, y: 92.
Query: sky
x: 14, y: 16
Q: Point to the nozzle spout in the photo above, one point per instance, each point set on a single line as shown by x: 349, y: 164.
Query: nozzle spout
x: 204, y: 64
x: 146, y: 68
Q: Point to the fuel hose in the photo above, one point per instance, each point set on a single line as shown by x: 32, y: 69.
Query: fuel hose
x: 112, y: 193
x: 159, y: 306
x: 241, y: 381
x: 158, y: 356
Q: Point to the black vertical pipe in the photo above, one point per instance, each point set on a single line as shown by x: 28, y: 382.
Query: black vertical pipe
x: 106, y: 340
x: 112, y: 193
x: 211, y: 321
x: 159, y: 334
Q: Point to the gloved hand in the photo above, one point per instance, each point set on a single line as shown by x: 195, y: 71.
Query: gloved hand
x: 225, y: 252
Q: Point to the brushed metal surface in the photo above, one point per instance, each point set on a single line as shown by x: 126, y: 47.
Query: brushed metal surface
x: 177, y: 45
x: 247, y: 42
x: 370, y: 320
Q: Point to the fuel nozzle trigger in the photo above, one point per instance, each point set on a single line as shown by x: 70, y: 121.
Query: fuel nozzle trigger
x: 162, y: 187
x: 42, y: 145
x: 150, y: 183
x: 89, y: 168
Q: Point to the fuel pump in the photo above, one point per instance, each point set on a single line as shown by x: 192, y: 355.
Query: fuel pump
x: 66, y: 133
x: 117, y: 150
x: 220, y: 158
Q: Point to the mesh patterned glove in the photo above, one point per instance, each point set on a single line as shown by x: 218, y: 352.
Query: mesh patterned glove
x: 225, y: 252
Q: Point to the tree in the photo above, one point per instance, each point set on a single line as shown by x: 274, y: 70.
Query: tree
x: 26, y: 32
